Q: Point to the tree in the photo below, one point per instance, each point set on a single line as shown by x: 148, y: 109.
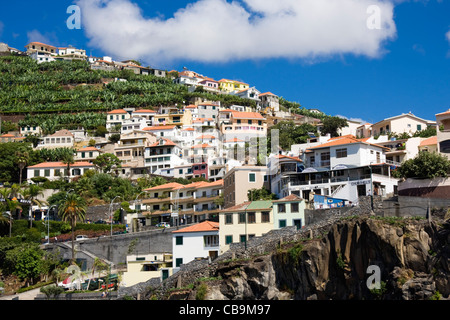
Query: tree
x: 106, y: 161
x: 27, y: 261
x: 260, y: 194
x: 32, y: 192
x: 72, y: 209
x: 426, y: 165
x: 22, y: 160
x: 331, y: 125
x: 68, y: 159
x: 290, y: 134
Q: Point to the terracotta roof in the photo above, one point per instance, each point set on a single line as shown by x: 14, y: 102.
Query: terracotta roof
x: 267, y: 94
x: 210, y: 184
x: 227, y: 110
x: 443, y: 113
x: 144, y: 111
x: 63, y: 132
x: 241, y: 206
x: 202, y: 146
x: 158, y: 128
x: 7, y: 135
x: 291, y: 197
x: 88, y: 149
x: 234, y: 140
x: 247, y: 115
x: 40, y: 43
x: 429, y: 141
x: 189, y: 129
x: 170, y: 185
x: 342, y: 141
x: 191, y: 106
x: 167, y: 142
x: 205, y: 137
x: 280, y: 156
x: 61, y: 164
x: 200, y: 227
x: 117, y: 111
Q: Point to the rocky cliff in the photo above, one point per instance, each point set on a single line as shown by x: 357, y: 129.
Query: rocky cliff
x: 412, y: 256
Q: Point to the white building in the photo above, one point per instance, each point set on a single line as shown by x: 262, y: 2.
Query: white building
x: 60, y: 139
x: 57, y: 170
x: 116, y: 118
x: 41, y: 57
x: 200, y: 241
x: 163, y: 154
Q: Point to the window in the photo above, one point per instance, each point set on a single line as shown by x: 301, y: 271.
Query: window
x: 228, y: 239
x: 36, y: 173
x: 294, y: 207
x: 325, y: 158
x: 178, y: 262
x: 419, y: 127
x: 179, y: 240
x: 281, y: 208
x: 47, y: 172
x: 211, y: 241
x: 265, y: 216
x: 251, y: 177
x: 341, y: 153
x: 242, y: 238
x: 281, y: 223
x: 229, y: 218
x: 241, y: 217
x: 251, y: 217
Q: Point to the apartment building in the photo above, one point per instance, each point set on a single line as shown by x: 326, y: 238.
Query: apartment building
x: 130, y: 149
x: 60, y: 139
x: 242, y: 125
x: 116, y: 118
x: 163, y: 153
x: 57, y: 170
x: 239, y: 180
x: 200, y: 241
x: 180, y: 204
x: 41, y: 48
x: 404, y: 123
x: 443, y: 136
x: 87, y: 154
x: 232, y: 85
x: 269, y: 101
x: 289, y: 211
x: 244, y: 221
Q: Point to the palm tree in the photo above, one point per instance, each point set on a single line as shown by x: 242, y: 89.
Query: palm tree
x: 32, y: 193
x: 22, y: 160
x: 72, y: 209
x: 68, y: 159
x: 7, y: 208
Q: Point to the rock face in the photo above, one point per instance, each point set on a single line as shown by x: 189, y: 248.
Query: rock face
x: 412, y: 257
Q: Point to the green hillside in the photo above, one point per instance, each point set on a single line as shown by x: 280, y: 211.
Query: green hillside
x: 70, y: 94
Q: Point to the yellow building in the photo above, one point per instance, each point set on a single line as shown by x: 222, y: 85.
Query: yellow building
x: 141, y: 268
x: 173, y: 117
x: 244, y: 221
x: 232, y: 85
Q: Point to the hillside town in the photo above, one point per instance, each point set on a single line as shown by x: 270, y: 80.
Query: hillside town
x: 225, y: 174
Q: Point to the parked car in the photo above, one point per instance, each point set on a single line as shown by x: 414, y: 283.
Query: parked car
x: 81, y: 237
x: 163, y: 225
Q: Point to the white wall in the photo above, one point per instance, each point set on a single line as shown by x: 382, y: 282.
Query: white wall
x: 192, y: 247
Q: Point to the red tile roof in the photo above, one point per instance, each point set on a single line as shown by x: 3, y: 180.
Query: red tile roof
x: 267, y: 94
x: 429, y: 141
x: 342, y: 141
x: 144, y: 111
x: 200, y: 227
x: 117, y: 111
x: 88, y: 149
x: 154, y: 128
x: 234, y: 140
x: 167, y: 142
x: 247, y: 115
x: 61, y: 164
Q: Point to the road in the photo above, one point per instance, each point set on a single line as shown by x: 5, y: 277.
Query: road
x: 28, y: 295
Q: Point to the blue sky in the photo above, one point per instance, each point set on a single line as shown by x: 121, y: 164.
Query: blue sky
x: 409, y: 71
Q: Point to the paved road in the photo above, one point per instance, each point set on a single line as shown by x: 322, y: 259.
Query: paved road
x: 29, y: 295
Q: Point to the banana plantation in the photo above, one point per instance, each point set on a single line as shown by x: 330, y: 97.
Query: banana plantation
x: 68, y: 93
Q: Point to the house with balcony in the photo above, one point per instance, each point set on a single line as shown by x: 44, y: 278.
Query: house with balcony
x: 278, y: 166
x: 143, y: 267
x: 443, y: 136
x: 209, y: 84
x: 71, y: 53
x: 404, y: 123
x: 364, y: 130
x: 249, y: 93
x: 116, y: 118
x: 289, y: 211
x: 344, y: 168
x: 244, y: 221
x: 269, y: 102
x: 208, y: 110
x: 200, y: 241
x: 180, y: 204
x: 57, y: 170
x: 130, y: 149
x: 173, y: 116
x: 429, y: 145
x: 232, y: 85
x: 399, y: 150
x: 41, y: 48
x: 87, y: 154
x: 244, y: 126
x: 147, y: 114
x: 60, y: 139
x: 162, y: 154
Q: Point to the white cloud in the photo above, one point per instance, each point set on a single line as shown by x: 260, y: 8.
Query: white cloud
x: 221, y: 31
x: 448, y: 36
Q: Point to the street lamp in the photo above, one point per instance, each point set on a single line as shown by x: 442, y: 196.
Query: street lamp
x: 110, y: 211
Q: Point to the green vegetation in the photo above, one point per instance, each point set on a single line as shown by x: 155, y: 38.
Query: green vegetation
x: 290, y: 133
x: 426, y: 165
